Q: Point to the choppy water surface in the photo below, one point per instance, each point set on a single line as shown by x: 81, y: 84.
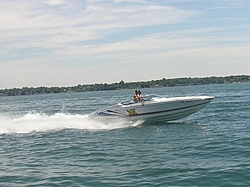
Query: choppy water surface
x: 48, y: 140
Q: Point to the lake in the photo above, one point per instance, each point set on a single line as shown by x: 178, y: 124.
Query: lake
x: 48, y: 140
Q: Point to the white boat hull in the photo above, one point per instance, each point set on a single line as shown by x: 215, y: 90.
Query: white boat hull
x: 158, y: 109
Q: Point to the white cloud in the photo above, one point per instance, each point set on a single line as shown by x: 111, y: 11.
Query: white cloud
x: 38, y: 15
x: 55, y: 2
x: 104, y: 38
x: 36, y: 25
x: 29, y: 17
x: 129, y: 1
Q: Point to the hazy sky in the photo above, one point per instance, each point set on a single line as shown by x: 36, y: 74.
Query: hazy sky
x: 66, y: 43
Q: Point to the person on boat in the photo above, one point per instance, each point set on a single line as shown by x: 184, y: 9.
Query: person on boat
x: 139, y: 97
x: 136, y: 96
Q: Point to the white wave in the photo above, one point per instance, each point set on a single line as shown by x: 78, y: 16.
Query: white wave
x: 37, y: 122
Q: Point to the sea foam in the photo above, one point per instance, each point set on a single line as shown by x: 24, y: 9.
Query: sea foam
x: 39, y: 122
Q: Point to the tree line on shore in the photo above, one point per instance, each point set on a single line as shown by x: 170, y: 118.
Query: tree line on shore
x: 123, y: 85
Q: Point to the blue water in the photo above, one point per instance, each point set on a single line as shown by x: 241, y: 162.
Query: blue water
x: 48, y: 140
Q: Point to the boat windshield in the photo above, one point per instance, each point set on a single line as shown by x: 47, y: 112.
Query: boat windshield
x: 144, y: 98
x: 150, y: 97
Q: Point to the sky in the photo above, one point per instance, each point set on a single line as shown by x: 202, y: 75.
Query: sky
x: 71, y: 42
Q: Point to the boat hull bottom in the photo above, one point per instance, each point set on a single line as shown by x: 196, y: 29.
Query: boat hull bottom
x: 171, y: 116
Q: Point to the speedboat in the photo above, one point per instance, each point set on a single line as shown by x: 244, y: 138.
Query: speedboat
x: 154, y: 108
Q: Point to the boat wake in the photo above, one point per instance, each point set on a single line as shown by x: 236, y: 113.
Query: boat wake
x: 39, y: 122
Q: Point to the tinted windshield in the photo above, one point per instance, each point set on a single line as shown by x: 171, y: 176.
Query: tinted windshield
x: 150, y: 97
x: 128, y: 102
x: 144, y: 98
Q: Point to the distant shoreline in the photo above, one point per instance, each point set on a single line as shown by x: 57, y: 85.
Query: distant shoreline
x: 129, y: 85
